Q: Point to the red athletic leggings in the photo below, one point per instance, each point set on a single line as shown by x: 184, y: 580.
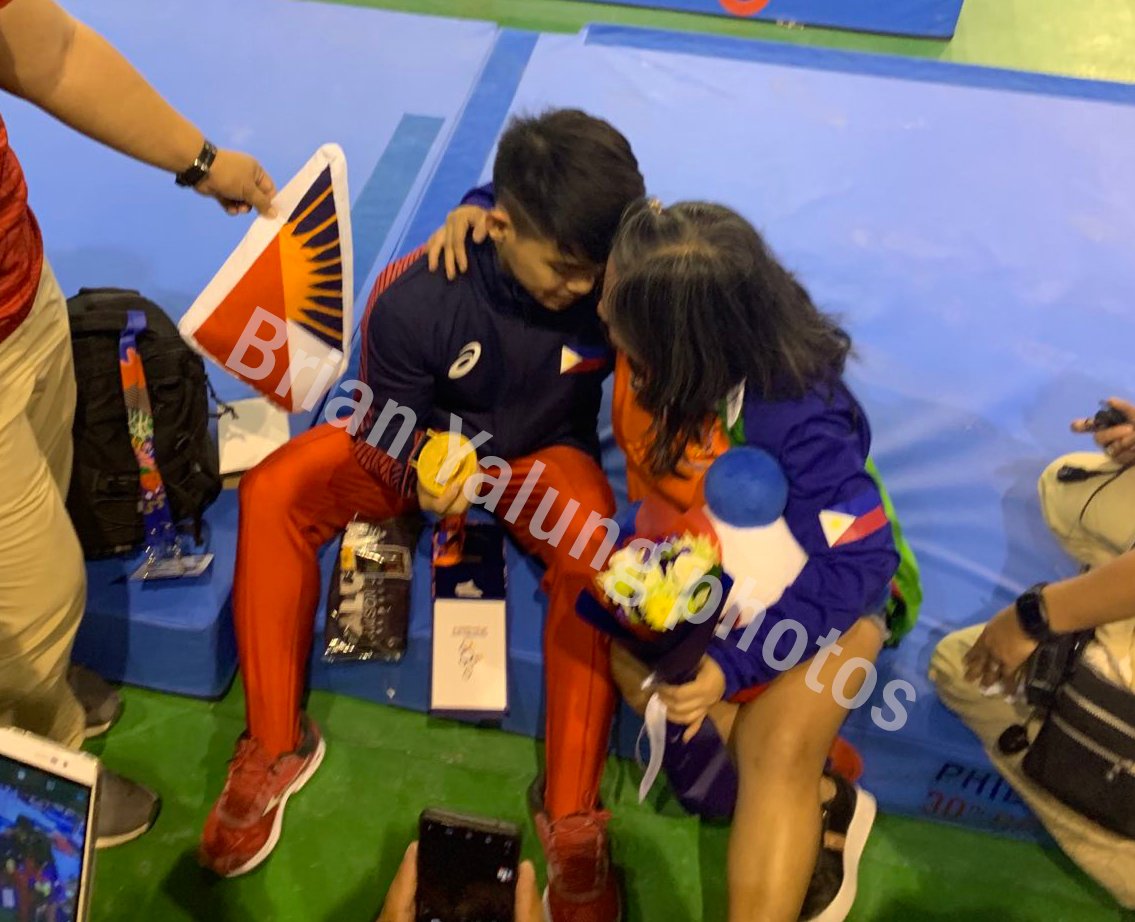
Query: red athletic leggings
x: 306, y: 492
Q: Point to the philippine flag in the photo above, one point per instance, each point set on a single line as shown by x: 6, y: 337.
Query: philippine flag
x: 279, y: 313
x: 853, y: 520
x: 581, y: 358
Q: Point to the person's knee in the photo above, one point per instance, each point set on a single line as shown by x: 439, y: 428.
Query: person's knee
x: 947, y: 664
x: 254, y: 485
x: 592, y: 492
x: 1060, y: 502
x: 572, y: 529
x: 587, y: 539
x: 60, y: 578
x: 575, y: 476
x: 74, y: 579
x: 270, y: 488
x: 1048, y: 478
x: 1047, y: 483
x: 781, y: 753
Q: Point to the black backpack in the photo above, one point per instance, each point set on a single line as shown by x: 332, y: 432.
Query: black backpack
x: 104, y: 499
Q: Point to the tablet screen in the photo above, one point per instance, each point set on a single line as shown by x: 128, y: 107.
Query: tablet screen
x: 43, y: 830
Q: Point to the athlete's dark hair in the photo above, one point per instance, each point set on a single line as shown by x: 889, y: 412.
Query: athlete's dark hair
x: 701, y: 304
x: 568, y: 177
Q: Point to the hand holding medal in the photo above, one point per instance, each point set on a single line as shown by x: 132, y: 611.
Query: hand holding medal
x: 445, y: 462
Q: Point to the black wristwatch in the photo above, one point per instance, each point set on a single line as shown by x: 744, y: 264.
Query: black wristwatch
x: 200, y: 168
x: 1032, y: 614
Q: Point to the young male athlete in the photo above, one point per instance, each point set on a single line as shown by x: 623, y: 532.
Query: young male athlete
x: 515, y: 350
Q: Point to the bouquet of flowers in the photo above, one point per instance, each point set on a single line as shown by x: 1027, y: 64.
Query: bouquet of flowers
x: 660, y: 592
x: 661, y: 596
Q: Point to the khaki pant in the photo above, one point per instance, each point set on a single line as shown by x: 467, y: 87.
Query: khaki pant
x: 42, y: 577
x: 1105, y: 529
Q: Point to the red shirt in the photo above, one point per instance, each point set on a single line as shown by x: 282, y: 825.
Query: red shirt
x: 21, y: 246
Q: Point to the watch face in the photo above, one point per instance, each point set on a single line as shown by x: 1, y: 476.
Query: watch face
x: 1031, y: 614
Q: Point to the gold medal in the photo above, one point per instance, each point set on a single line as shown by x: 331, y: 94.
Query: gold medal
x: 445, y: 453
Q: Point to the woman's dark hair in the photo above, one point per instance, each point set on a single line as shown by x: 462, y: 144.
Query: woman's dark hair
x: 701, y: 304
x: 568, y: 177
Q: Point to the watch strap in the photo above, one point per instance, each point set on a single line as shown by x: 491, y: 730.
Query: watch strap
x: 1032, y: 614
x: 200, y: 168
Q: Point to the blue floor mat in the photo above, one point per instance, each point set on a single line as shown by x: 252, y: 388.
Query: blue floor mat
x: 278, y: 80
x: 972, y: 228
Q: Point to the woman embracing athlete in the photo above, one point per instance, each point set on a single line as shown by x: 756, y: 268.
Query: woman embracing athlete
x: 720, y: 346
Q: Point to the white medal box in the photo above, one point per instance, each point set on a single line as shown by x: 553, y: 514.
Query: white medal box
x: 469, y: 678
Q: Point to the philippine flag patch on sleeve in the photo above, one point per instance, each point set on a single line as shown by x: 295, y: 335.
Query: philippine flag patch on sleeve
x: 582, y: 358
x: 854, y: 520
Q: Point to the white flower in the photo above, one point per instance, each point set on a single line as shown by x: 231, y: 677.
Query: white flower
x: 621, y: 559
x: 686, y: 570
x: 661, y: 585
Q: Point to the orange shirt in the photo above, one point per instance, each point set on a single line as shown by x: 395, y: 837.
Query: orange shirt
x: 21, y: 246
x: 632, y: 423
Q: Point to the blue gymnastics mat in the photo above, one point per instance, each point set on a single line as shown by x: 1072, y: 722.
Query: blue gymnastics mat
x: 388, y: 87
x: 971, y: 226
x: 918, y: 18
x: 279, y: 79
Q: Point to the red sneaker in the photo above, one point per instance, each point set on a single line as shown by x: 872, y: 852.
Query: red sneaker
x: 844, y: 760
x: 581, y: 885
x: 244, y: 825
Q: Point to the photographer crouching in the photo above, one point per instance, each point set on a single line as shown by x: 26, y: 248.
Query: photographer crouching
x: 1048, y: 684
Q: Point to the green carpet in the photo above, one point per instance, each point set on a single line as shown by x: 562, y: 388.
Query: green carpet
x: 346, y: 832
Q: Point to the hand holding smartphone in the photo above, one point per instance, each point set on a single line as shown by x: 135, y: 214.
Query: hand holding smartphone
x: 467, y: 868
x: 440, y: 873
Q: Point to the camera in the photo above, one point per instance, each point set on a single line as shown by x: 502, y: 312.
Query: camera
x: 1051, y: 664
x: 1107, y: 418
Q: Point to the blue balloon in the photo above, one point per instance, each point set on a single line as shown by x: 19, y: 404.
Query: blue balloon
x: 746, y: 488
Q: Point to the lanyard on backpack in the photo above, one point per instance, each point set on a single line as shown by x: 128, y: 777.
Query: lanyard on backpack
x: 156, y: 517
